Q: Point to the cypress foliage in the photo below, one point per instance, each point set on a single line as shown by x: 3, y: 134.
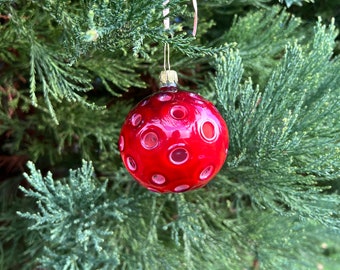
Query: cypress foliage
x: 71, y: 70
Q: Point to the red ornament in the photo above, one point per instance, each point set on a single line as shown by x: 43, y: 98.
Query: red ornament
x: 174, y: 141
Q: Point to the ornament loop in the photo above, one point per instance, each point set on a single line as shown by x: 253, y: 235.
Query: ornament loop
x: 167, y: 65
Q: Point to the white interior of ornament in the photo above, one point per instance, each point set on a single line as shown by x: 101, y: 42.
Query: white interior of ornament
x: 150, y: 140
x: 208, y: 131
x: 179, y: 156
x: 136, y: 119
x: 131, y: 163
x: 121, y: 143
x: 181, y: 188
x: 178, y: 112
x: 206, y: 172
x: 164, y: 97
x: 158, y: 179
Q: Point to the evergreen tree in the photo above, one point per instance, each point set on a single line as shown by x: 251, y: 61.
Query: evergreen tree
x: 70, y: 71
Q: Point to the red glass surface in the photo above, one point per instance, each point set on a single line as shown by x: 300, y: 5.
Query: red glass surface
x: 174, y: 141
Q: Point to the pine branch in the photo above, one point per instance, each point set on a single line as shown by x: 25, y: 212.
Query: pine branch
x: 73, y: 218
x: 274, y: 144
x: 59, y: 70
x: 57, y: 78
x: 223, y: 3
x: 117, y: 25
x: 261, y: 37
x: 82, y: 133
x: 18, y: 245
x: 279, y: 242
x: 116, y: 72
x: 258, y: 3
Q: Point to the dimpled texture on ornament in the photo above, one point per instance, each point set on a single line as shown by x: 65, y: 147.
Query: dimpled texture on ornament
x: 174, y: 141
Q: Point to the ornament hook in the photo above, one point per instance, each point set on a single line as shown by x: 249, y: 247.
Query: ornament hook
x: 167, y: 56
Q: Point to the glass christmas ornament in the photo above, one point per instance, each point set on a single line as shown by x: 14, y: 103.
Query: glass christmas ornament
x: 173, y: 141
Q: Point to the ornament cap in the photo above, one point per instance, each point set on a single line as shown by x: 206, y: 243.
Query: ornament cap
x: 168, y: 77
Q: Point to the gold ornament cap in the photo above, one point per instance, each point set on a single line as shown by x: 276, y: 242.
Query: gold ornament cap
x: 168, y: 77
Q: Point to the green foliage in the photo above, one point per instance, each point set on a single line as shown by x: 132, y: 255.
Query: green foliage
x: 17, y: 245
x: 62, y: 41
x: 233, y: 3
x: 96, y: 134
x: 115, y: 72
x: 84, y: 224
x: 297, y: 245
x: 261, y: 37
x: 278, y: 133
x: 81, y: 215
x: 57, y: 78
x: 275, y: 205
x: 81, y: 133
